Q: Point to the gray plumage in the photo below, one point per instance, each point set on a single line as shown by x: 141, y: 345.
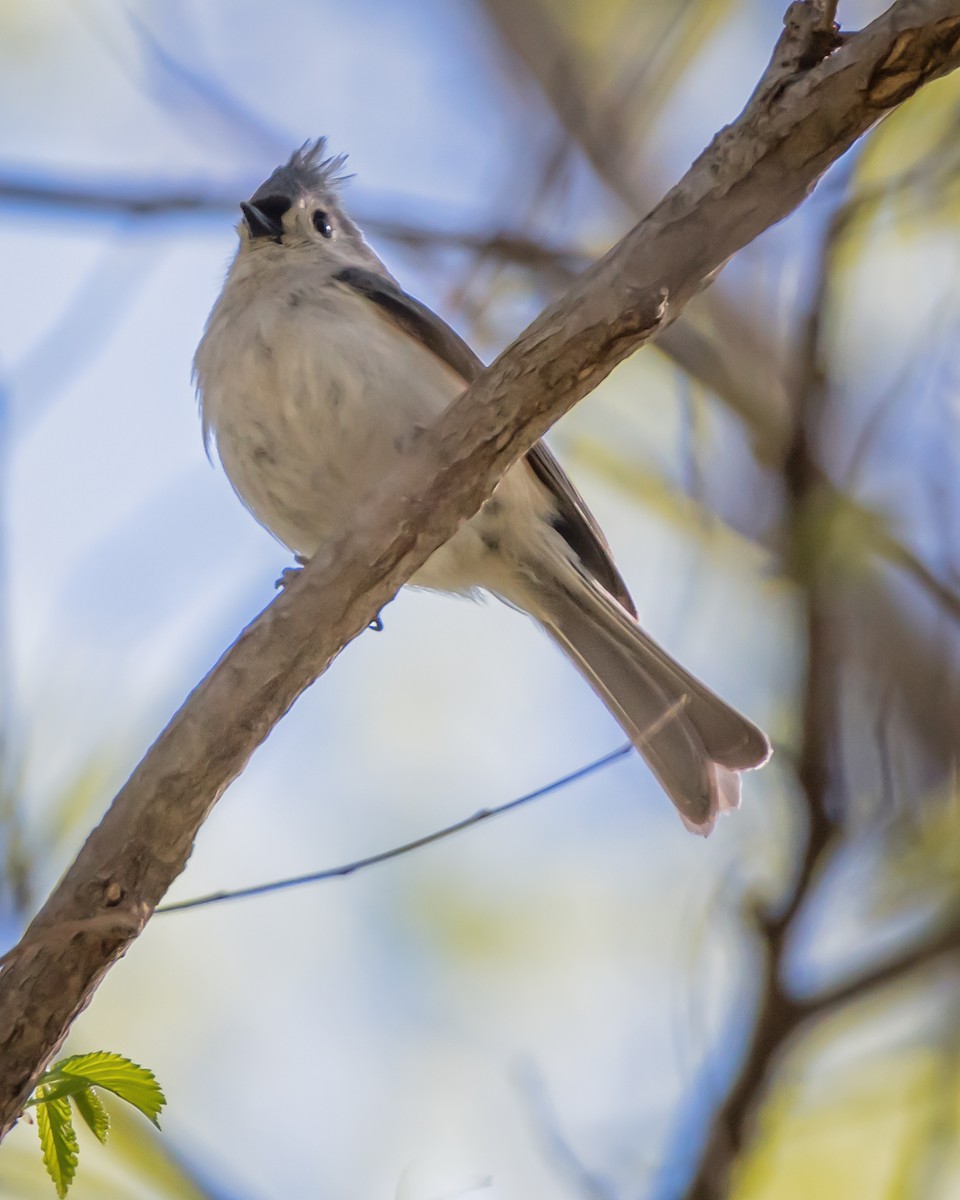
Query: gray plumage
x: 314, y: 372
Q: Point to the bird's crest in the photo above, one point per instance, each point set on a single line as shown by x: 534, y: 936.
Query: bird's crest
x: 306, y: 171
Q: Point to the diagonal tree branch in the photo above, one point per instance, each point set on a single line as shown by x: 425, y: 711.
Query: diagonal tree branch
x: 754, y: 173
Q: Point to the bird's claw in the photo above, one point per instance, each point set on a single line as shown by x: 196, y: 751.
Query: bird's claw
x: 289, y: 574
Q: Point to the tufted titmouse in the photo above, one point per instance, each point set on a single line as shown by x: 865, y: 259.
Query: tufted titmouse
x: 314, y: 368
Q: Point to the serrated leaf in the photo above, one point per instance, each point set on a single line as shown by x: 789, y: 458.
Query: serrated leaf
x: 58, y: 1141
x: 114, y: 1073
x: 90, y: 1107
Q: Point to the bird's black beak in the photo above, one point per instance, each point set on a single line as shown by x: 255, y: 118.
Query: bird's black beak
x: 261, y: 222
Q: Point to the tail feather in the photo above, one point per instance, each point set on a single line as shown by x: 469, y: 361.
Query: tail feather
x: 694, y: 742
x: 729, y: 738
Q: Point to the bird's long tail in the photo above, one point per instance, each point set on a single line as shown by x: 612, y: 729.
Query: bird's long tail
x: 695, y: 743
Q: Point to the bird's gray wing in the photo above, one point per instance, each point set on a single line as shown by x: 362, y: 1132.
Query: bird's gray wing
x: 578, y: 527
x: 573, y: 520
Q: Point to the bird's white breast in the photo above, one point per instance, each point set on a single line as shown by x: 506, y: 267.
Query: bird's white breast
x: 310, y: 393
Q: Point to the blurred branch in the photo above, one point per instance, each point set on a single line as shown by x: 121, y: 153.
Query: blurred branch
x: 736, y: 379
x: 537, y: 44
x: 937, y: 943
x: 574, y: 1172
x: 754, y: 173
x: 815, y: 507
x: 160, y: 200
x: 902, y: 557
x: 146, y: 200
x: 778, y: 1013
x: 202, y: 99
x: 738, y: 362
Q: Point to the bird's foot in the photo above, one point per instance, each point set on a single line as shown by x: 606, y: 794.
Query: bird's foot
x: 289, y: 574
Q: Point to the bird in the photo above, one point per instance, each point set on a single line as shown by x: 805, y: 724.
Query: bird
x: 316, y: 369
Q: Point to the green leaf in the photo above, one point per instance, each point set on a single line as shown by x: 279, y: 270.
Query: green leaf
x: 58, y: 1141
x: 90, y: 1107
x: 56, y: 1087
x: 119, y: 1075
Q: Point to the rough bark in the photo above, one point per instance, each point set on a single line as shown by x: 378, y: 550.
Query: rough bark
x: 804, y: 114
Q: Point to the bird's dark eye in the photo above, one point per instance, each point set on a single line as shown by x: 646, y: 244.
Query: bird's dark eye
x: 321, y: 223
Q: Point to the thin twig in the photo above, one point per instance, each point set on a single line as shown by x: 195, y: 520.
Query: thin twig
x: 438, y: 835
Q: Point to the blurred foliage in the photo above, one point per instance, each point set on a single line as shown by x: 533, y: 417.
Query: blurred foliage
x: 860, y: 1135
x: 910, y: 163
x: 638, y: 54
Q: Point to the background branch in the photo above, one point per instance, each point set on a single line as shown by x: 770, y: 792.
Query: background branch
x: 778, y: 1013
